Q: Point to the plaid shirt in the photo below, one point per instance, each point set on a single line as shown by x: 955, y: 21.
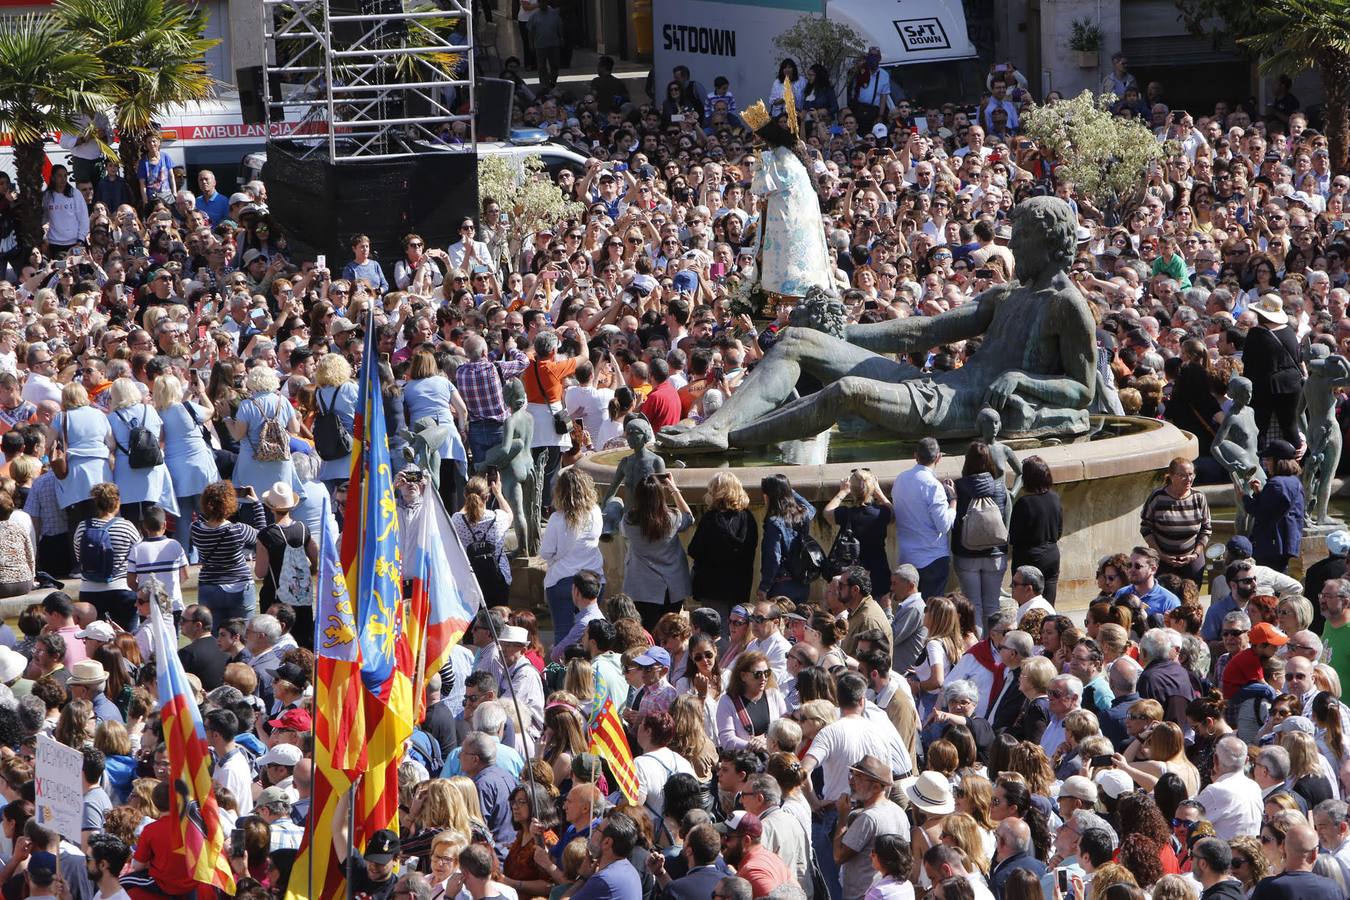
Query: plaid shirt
x: 481, y: 386
x: 43, y: 506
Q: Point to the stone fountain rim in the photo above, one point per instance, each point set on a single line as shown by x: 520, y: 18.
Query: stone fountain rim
x: 1151, y: 447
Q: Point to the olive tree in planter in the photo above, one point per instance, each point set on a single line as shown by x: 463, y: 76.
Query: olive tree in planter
x: 1086, y: 43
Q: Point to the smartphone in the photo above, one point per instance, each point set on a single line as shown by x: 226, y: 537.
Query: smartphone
x: 236, y: 842
x: 1062, y: 876
x: 412, y: 476
x: 489, y: 472
x: 258, y: 314
x: 717, y: 269
x: 76, y: 251
x: 620, y: 167
x: 717, y: 373
x: 1104, y: 761
x: 677, y: 117
x: 1337, y: 225
x: 321, y: 261
x: 984, y: 273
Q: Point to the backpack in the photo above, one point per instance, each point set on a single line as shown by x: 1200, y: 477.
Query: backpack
x: 142, y: 449
x: 806, y: 559
x: 273, y: 445
x: 983, y: 527
x: 845, y: 551
x: 483, y: 553
x: 332, y: 440
x: 424, y: 749
x: 98, y: 560
x: 295, y: 583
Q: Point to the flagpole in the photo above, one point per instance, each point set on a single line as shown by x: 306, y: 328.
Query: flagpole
x: 314, y: 719
x: 348, y: 864
x: 511, y: 686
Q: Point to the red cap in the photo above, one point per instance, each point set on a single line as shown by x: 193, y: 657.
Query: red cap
x: 1266, y: 633
x: 293, y: 720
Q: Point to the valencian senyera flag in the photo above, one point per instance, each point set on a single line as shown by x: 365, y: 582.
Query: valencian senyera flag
x: 370, y: 559
x: 445, y: 594
x: 201, y: 838
x: 339, y: 729
x: 609, y: 743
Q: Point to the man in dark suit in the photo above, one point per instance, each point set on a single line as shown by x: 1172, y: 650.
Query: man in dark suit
x: 702, y: 846
x: 202, y: 656
x: 1123, y: 678
x: 908, y: 634
x: 1013, y: 852
x: 1003, y: 711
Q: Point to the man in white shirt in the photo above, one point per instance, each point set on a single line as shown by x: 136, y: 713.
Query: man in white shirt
x: 783, y: 832
x: 41, y: 367
x: 1027, y: 584
x: 1331, y: 820
x: 107, y: 858
x: 941, y: 862
x: 769, y: 640
x: 1232, y: 801
x: 925, y: 508
x: 232, y: 768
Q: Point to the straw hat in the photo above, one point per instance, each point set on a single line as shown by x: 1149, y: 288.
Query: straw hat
x: 280, y: 496
x: 930, y: 792
x: 1271, y: 308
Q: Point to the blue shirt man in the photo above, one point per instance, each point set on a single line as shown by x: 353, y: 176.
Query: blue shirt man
x: 925, y: 509
x: 211, y: 201
x: 1141, y: 569
x: 478, y: 759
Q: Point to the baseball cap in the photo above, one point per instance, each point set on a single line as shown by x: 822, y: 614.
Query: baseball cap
x: 1266, y: 633
x: 1296, y: 723
x: 879, y: 131
x: 271, y: 795
x: 1338, y: 543
x: 42, y: 866
x: 686, y: 281
x: 654, y: 656
x: 251, y: 254
x: 382, y: 847
x: 1114, y: 782
x: 281, y: 755
x: 644, y: 283
x: 1079, y: 788
x: 742, y: 821
x: 240, y: 197
x: 1239, y: 547
x: 292, y: 674
x: 293, y: 720
x: 99, y: 631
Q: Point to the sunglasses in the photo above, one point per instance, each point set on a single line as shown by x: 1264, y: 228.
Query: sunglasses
x: 740, y: 621
x: 760, y: 673
x: 1232, y: 632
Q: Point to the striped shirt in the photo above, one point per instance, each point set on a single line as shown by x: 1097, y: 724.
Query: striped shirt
x: 122, y: 536
x: 1176, y: 526
x: 43, y: 506
x: 221, y: 549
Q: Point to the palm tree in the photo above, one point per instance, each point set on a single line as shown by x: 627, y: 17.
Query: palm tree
x: 153, y: 54
x: 1297, y: 35
x: 46, y: 82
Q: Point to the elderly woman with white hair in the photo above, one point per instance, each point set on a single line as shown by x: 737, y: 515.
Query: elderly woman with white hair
x: 960, y: 699
x: 137, y: 438
x: 252, y: 427
x: 190, y: 459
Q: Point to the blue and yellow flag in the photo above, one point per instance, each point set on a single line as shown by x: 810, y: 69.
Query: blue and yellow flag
x: 370, y: 559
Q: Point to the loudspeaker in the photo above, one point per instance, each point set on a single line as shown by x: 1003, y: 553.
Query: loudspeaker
x: 252, y: 99
x: 321, y: 205
x: 496, y: 102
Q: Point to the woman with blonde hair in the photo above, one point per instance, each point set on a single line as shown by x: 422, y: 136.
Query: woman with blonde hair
x: 1029, y: 761
x: 1309, y: 775
x: 190, y: 460
x: 475, y: 523
x: 1157, y: 750
x: 435, y: 809
x: 252, y: 426
x: 750, y: 705
x: 1249, y: 863
x: 861, y: 508
x: 570, y: 544
x: 965, y: 834
x: 81, y: 446
x: 943, y: 649
x: 724, y: 544
x: 473, y: 810
x: 335, y: 396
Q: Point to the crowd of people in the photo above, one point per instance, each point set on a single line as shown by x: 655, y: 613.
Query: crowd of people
x: 177, y: 399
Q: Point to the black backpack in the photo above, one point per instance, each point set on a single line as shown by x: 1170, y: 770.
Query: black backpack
x: 845, y: 551
x: 332, y: 440
x: 142, y: 450
x: 806, y: 559
x: 483, y: 554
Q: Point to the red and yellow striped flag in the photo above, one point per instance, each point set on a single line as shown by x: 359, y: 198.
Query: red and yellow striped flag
x: 608, y: 742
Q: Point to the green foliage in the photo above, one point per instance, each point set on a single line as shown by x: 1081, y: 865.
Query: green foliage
x: 153, y: 54
x: 47, y: 81
x: 1086, y: 36
x: 816, y: 39
x: 521, y: 186
x: 1104, y: 155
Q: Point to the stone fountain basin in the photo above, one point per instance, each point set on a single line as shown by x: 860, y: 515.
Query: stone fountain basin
x: 1102, y: 482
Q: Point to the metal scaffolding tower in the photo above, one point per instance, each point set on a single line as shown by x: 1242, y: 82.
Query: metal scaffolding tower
x: 376, y: 80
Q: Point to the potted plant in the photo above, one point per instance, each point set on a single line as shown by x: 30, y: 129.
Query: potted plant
x: 1085, y: 43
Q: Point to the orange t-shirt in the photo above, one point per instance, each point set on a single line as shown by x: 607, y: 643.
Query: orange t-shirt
x: 550, y: 373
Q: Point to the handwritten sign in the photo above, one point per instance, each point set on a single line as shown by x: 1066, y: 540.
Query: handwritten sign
x: 60, y: 793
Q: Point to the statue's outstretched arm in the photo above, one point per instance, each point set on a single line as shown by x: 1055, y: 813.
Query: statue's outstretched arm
x: 918, y: 333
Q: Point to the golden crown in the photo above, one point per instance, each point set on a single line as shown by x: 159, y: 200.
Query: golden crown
x: 755, y: 115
